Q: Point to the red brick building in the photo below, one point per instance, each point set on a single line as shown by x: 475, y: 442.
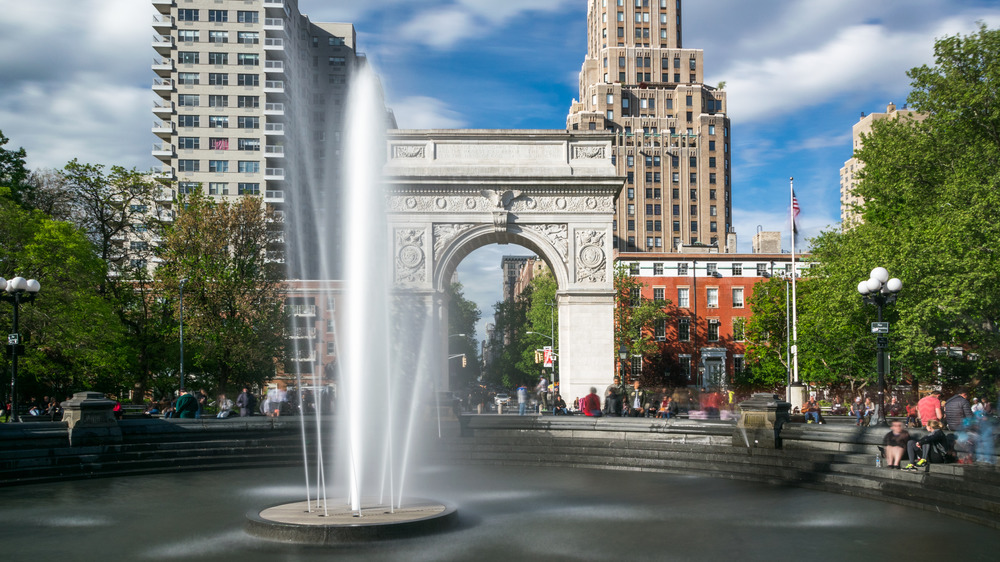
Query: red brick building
x: 702, y: 342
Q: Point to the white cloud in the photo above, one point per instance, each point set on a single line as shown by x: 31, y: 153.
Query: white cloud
x: 776, y: 219
x: 422, y: 112
x: 441, y: 28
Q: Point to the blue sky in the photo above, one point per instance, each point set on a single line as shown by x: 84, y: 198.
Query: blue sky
x: 798, y: 72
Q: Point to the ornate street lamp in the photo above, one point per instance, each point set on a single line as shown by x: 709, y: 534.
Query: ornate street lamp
x: 880, y: 290
x: 16, y: 291
x: 182, y: 282
x: 622, y: 355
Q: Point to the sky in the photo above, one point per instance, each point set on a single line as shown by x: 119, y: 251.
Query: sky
x: 798, y: 73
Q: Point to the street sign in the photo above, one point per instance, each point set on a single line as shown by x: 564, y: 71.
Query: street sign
x: 880, y: 327
x: 13, y: 339
x: 882, y: 341
x: 547, y: 352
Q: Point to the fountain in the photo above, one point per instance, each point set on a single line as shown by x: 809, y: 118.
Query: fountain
x: 380, y: 354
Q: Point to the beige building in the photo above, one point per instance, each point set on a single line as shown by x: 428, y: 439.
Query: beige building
x: 849, y: 202
x: 673, y: 137
x: 251, y: 101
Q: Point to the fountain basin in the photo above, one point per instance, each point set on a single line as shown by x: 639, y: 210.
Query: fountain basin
x: 294, y: 523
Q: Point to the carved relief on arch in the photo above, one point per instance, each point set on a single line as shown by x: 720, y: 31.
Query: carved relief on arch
x: 444, y: 234
x: 556, y: 234
x: 410, y: 260
x: 591, y: 261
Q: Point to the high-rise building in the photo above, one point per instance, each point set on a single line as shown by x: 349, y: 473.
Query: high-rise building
x: 849, y: 202
x: 673, y: 142
x: 251, y: 104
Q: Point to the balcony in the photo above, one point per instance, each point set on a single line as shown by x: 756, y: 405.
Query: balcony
x: 274, y: 87
x: 163, y: 151
x: 272, y: 196
x: 165, y: 215
x: 274, y: 174
x: 163, y: 23
x: 280, y: 4
x: 163, y: 110
x: 274, y: 109
x: 274, y: 151
x: 165, y: 196
x: 163, y: 129
x: 274, y: 24
x: 164, y: 173
x: 163, y: 44
x: 163, y: 6
x: 163, y: 66
x: 163, y: 86
x: 307, y: 357
x: 274, y: 44
x: 301, y: 333
x: 302, y: 310
x: 274, y: 66
x: 274, y: 128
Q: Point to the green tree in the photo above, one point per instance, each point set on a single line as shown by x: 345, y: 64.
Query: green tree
x: 931, y: 216
x: 463, y: 315
x: 635, y: 315
x: 508, y: 366
x: 766, y: 337
x: 233, y: 314
x: 541, y: 317
x: 13, y: 173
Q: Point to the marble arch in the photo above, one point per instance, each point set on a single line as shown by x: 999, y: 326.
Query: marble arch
x: 452, y: 191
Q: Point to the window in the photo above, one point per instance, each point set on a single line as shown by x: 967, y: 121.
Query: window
x: 248, y: 37
x: 187, y: 187
x: 739, y: 329
x: 660, y: 329
x: 218, y: 188
x: 248, y: 189
x: 247, y: 101
x: 247, y: 17
x: 713, y: 329
x: 738, y: 364
x: 658, y: 268
x: 683, y: 297
x: 658, y: 294
x: 711, y: 129
x: 633, y: 269
x: 249, y: 166
x: 248, y: 59
x: 337, y: 61
x: 218, y: 121
x: 218, y: 58
x: 187, y: 57
x: 331, y: 348
x: 636, y: 366
x: 188, y: 35
x: 248, y: 144
x: 737, y: 297
x: 218, y: 165
x: 186, y: 143
x: 244, y: 122
x: 631, y: 209
x: 187, y: 15
x: 218, y: 143
x: 218, y: 79
x: 713, y: 226
x: 711, y: 268
x: 694, y: 210
x: 137, y: 246
x: 634, y: 297
x: 682, y: 268
x: 761, y: 270
x: 684, y: 333
x: 218, y: 15
x: 677, y: 226
x: 737, y: 269
x: 188, y: 78
x: 248, y: 79
x: 188, y: 166
x: 335, y: 41
x: 188, y: 100
x: 712, y: 297
x: 187, y: 121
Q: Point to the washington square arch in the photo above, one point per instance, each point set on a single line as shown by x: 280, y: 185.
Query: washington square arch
x: 453, y: 191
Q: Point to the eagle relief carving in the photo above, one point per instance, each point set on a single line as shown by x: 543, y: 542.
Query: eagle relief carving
x: 501, y: 199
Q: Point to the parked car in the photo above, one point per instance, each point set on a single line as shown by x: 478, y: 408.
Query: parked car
x: 501, y: 399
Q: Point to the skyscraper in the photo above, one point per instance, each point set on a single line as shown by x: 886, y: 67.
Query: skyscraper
x: 673, y: 138
x: 251, y: 104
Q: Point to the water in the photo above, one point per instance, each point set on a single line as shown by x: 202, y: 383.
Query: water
x: 505, y: 514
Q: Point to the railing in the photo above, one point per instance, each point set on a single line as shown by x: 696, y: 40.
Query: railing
x: 163, y: 19
x: 274, y: 172
x: 274, y: 107
x: 274, y: 194
x: 163, y: 39
x: 274, y: 3
x: 302, y: 333
x: 272, y: 23
x: 274, y: 42
x: 274, y: 65
x: 163, y: 125
x: 166, y: 106
x: 302, y: 309
x: 163, y: 83
x: 274, y: 150
x: 274, y: 127
x: 274, y: 85
x: 163, y: 147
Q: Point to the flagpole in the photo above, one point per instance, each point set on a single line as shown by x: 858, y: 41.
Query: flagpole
x: 796, y: 393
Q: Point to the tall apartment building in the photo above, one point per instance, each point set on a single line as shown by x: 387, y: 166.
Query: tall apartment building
x: 251, y: 104
x: 848, y: 174
x: 673, y: 143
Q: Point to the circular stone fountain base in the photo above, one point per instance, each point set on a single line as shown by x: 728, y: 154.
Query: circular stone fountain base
x: 337, y: 524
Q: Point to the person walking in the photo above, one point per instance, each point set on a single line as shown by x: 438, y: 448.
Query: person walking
x: 522, y: 399
x: 245, y: 403
x: 957, y: 409
x: 187, y: 405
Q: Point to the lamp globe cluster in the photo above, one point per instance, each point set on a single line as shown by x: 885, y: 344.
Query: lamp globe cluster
x: 20, y: 285
x: 879, y: 282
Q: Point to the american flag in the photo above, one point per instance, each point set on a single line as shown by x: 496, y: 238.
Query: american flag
x: 795, y: 214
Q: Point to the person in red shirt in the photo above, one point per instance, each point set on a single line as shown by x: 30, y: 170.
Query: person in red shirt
x: 591, y: 404
x: 929, y: 407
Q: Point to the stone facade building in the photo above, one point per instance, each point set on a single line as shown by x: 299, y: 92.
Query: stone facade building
x: 672, y: 133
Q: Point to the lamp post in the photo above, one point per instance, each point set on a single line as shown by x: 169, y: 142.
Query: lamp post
x: 183, y: 281
x: 17, y: 290
x: 622, y: 354
x: 880, y: 290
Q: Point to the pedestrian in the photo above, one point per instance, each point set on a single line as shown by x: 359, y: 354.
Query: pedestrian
x: 591, y: 404
x: 541, y: 390
x: 245, y: 403
x: 929, y: 407
x: 957, y: 409
x: 613, y: 398
x: 636, y: 400
x: 225, y: 407
x: 522, y: 399
x: 187, y: 405
x: 895, y: 443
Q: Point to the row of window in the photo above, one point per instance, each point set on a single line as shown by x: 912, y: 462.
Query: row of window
x: 712, y: 269
x: 217, y: 100
x: 675, y: 193
x: 218, y: 121
x: 218, y: 16
x: 219, y: 166
x: 653, y: 161
x: 684, y: 329
x: 194, y: 36
x: 219, y: 188
x: 217, y: 58
x: 217, y: 143
x: 217, y: 79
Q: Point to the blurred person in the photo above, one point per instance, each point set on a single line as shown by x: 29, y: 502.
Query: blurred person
x: 977, y: 406
x: 559, y: 406
x: 636, y: 401
x: 522, y: 399
x: 811, y: 410
x: 245, y: 403
x: 613, y: 398
x: 869, y: 411
x: 187, y: 405
x: 541, y: 391
x: 929, y: 407
x: 895, y: 443
x: 202, y: 399
x: 957, y: 409
x: 225, y: 407
x: 857, y: 410
x: 591, y: 404
x: 911, y: 415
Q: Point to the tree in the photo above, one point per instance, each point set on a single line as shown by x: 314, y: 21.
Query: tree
x: 13, y: 172
x: 635, y: 316
x: 233, y: 318
x: 766, y: 337
x: 541, y: 317
x: 508, y: 366
x: 931, y: 215
x: 463, y: 315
